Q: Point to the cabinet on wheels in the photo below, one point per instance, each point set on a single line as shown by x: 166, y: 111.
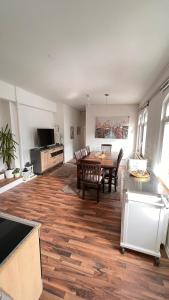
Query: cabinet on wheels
x: 144, y: 219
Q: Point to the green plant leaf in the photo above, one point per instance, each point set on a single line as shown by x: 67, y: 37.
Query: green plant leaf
x: 7, y: 146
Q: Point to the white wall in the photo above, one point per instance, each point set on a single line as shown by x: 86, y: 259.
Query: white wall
x: 7, y: 91
x: 72, y: 117
x: 30, y: 119
x: 33, y: 100
x: 29, y: 112
x: 26, y: 112
x: 15, y: 131
x: 93, y: 111
x: 4, y: 113
x: 83, y: 129
x: 34, y: 112
x: 59, y: 120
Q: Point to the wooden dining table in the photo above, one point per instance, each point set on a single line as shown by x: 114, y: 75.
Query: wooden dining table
x: 107, y: 160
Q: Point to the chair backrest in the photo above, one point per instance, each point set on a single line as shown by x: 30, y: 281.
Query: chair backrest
x: 106, y: 147
x: 90, y: 171
x: 119, y: 158
x: 78, y: 155
x: 88, y: 150
x: 83, y: 152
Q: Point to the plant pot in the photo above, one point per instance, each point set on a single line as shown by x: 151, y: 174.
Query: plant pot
x: 2, y: 176
x: 16, y: 175
x: 25, y: 175
x: 9, y: 173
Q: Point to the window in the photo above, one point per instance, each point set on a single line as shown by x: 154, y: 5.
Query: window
x: 164, y: 164
x: 142, y: 131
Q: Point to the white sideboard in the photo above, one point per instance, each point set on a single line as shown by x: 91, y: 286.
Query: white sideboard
x: 145, y: 214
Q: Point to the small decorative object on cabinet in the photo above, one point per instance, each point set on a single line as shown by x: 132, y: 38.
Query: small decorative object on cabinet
x: 44, y: 159
x: 29, y: 167
x: 25, y: 174
x: 145, y: 215
x: 16, y: 172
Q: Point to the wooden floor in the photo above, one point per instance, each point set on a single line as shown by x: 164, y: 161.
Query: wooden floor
x: 80, y: 246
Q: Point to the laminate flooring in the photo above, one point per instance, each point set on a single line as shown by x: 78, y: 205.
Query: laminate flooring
x: 80, y: 245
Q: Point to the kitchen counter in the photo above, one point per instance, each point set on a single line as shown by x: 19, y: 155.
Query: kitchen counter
x: 11, y: 235
x: 145, y: 214
x: 147, y: 186
x: 20, y: 265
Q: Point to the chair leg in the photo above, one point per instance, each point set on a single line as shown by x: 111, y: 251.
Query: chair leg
x: 103, y: 185
x: 78, y: 184
x: 83, y: 192
x: 115, y: 184
x: 110, y: 180
x: 98, y: 193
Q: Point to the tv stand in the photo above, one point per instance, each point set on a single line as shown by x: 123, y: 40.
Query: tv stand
x: 46, y: 158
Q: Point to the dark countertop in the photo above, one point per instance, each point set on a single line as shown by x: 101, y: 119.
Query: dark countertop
x: 13, y: 231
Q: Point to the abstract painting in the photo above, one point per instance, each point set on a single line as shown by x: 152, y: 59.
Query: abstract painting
x: 112, y: 127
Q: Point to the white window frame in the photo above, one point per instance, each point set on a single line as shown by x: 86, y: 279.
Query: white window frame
x: 164, y: 120
x: 142, y: 132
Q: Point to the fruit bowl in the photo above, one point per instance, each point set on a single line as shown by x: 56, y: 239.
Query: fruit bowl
x: 140, y: 174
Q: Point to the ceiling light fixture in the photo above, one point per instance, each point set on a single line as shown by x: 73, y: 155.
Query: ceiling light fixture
x: 106, y: 95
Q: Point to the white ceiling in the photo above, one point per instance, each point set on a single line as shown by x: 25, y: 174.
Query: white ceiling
x: 65, y: 49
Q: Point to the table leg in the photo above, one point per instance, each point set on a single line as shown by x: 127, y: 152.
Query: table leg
x: 78, y: 176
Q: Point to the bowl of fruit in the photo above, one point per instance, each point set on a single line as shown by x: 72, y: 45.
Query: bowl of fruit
x: 140, y: 174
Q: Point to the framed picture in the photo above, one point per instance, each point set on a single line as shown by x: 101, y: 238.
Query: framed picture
x: 78, y: 130
x: 71, y: 132
x: 115, y: 127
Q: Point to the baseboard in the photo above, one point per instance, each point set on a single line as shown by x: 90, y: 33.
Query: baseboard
x: 31, y: 178
x: 10, y: 185
x: 14, y: 183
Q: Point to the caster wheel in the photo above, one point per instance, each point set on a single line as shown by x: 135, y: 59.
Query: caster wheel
x: 157, y: 261
x: 122, y: 250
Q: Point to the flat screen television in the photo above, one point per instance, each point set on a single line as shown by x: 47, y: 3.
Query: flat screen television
x: 45, y: 137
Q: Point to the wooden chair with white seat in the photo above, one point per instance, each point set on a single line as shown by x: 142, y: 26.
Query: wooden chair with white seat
x: 91, y: 176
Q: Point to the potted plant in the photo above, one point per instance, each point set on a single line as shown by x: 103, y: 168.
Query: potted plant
x: 7, y: 149
x: 16, y: 172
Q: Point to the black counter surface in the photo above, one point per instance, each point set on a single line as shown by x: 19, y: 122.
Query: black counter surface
x: 11, y: 234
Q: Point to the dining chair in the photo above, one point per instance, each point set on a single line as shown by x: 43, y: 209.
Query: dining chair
x: 114, y: 172
x: 91, y: 176
x: 106, y: 147
x: 88, y: 150
x: 78, y: 155
x: 83, y: 152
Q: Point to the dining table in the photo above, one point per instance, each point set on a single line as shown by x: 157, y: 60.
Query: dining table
x: 107, y: 160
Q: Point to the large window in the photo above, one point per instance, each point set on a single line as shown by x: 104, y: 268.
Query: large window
x: 142, y: 131
x: 164, y: 165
